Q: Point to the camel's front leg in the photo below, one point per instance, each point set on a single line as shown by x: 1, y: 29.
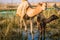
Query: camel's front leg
x: 31, y: 24
x: 38, y: 23
x: 31, y: 28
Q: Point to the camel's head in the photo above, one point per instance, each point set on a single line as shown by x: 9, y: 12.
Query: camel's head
x: 23, y: 0
x: 43, y: 5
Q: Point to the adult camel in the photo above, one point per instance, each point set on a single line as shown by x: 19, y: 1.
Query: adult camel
x: 41, y: 20
x: 26, y: 8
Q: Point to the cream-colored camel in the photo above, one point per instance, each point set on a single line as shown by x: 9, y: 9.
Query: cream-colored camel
x: 21, y: 11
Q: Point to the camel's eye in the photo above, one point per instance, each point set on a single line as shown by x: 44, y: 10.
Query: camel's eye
x: 40, y: 4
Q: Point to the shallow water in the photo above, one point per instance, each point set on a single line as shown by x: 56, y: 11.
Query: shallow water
x: 36, y: 35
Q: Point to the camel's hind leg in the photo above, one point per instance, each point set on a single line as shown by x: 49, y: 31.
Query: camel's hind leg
x: 24, y: 22
x: 20, y: 24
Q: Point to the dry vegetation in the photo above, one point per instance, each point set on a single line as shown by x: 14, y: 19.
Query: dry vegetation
x: 9, y: 26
